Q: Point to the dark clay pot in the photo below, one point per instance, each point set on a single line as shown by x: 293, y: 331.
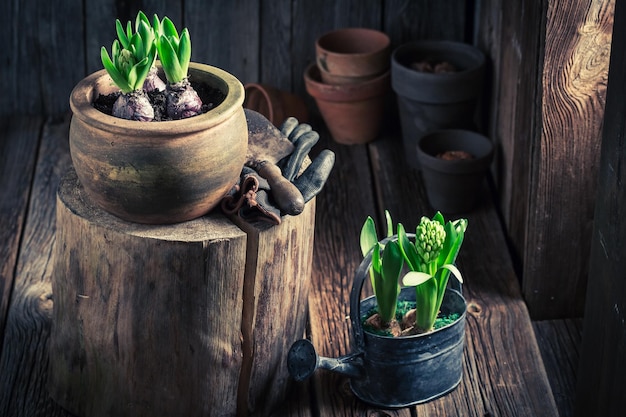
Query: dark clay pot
x: 430, y: 101
x: 393, y: 372
x: 454, y: 186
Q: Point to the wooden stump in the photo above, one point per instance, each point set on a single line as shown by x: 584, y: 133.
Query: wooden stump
x: 190, y: 319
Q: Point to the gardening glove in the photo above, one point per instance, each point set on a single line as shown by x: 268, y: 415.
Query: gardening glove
x: 249, y: 199
x: 303, y: 137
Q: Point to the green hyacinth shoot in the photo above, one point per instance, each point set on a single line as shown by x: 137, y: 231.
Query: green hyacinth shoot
x: 132, y: 54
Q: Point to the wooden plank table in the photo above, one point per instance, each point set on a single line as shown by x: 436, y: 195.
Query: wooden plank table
x: 504, y: 373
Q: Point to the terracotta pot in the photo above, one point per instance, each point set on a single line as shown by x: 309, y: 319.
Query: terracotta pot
x: 158, y: 172
x: 431, y: 101
x: 276, y: 105
x: 352, y: 55
x: 353, y: 112
x: 454, y: 186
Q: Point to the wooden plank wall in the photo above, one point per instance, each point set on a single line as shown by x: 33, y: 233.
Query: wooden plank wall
x: 55, y: 44
x: 547, y: 106
x: 602, y: 372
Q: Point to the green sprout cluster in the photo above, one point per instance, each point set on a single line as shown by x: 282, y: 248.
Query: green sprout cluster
x: 134, y: 53
x: 174, y: 51
x: 386, y: 267
x: 430, y: 259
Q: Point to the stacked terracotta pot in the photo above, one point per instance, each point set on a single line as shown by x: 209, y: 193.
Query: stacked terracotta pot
x: 350, y: 81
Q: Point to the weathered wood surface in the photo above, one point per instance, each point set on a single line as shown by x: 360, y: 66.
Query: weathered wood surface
x: 146, y: 318
x: 564, y: 158
x: 545, y: 115
x: 504, y: 374
x: 559, y: 342
x: 602, y: 372
x: 275, y: 293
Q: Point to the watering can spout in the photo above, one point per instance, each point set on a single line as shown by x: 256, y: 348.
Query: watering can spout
x: 302, y: 361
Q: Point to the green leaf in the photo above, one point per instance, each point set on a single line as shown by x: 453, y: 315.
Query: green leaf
x: 389, y: 224
x: 415, y: 278
x: 141, y: 18
x: 121, y: 35
x: 388, y: 292
x: 408, y: 249
x: 184, y: 52
x: 455, y: 271
x: 368, y: 237
x: 169, y: 60
x: 118, y: 78
x: 439, y: 217
x: 168, y: 28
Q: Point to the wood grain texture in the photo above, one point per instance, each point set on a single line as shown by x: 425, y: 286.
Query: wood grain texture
x: 565, y: 157
x: 18, y: 152
x: 559, y: 342
x: 146, y: 318
x: 602, y: 371
x: 514, y: 113
x: 275, y: 298
x: 23, y: 365
x: 225, y: 35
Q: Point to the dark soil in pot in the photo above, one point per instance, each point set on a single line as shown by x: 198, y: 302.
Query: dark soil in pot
x: 454, y: 164
x: 211, y: 97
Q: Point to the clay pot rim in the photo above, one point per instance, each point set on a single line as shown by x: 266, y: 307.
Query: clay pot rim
x: 380, y: 44
x: 464, y: 166
x: 345, y: 92
x: 83, y: 94
x: 444, y: 47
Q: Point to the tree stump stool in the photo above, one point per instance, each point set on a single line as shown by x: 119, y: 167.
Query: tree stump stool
x: 191, y: 319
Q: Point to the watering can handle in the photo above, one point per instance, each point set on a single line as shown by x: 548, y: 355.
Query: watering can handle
x: 362, y: 273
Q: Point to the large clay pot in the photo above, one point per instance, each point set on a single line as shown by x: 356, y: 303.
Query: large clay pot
x: 352, y: 55
x: 454, y: 186
x: 276, y: 105
x: 430, y: 101
x: 159, y: 172
x: 353, y: 112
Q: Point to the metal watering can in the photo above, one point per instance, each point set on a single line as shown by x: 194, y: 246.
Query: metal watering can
x: 392, y: 372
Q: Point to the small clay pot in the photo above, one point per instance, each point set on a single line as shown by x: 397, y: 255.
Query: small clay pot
x: 429, y: 101
x: 158, y: 172
x: 353, y: 112
x: 352, y: 55
x: 276, y: 105
x: 454, y: 186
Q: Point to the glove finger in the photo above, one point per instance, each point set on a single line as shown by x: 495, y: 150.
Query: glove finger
x: 300, y: 130
x: 312, y: 180
x: 288, y: 126
x: 293, y: 162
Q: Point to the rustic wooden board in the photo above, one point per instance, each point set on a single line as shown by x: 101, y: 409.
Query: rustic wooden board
x: 225, y: 35
x: 514, y: 112
x: 559, y: 342
x: 602, y: 372
x: 23, y: 365
x: 564, y: 167
x: 18, y: 152
x: 406, y: 20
